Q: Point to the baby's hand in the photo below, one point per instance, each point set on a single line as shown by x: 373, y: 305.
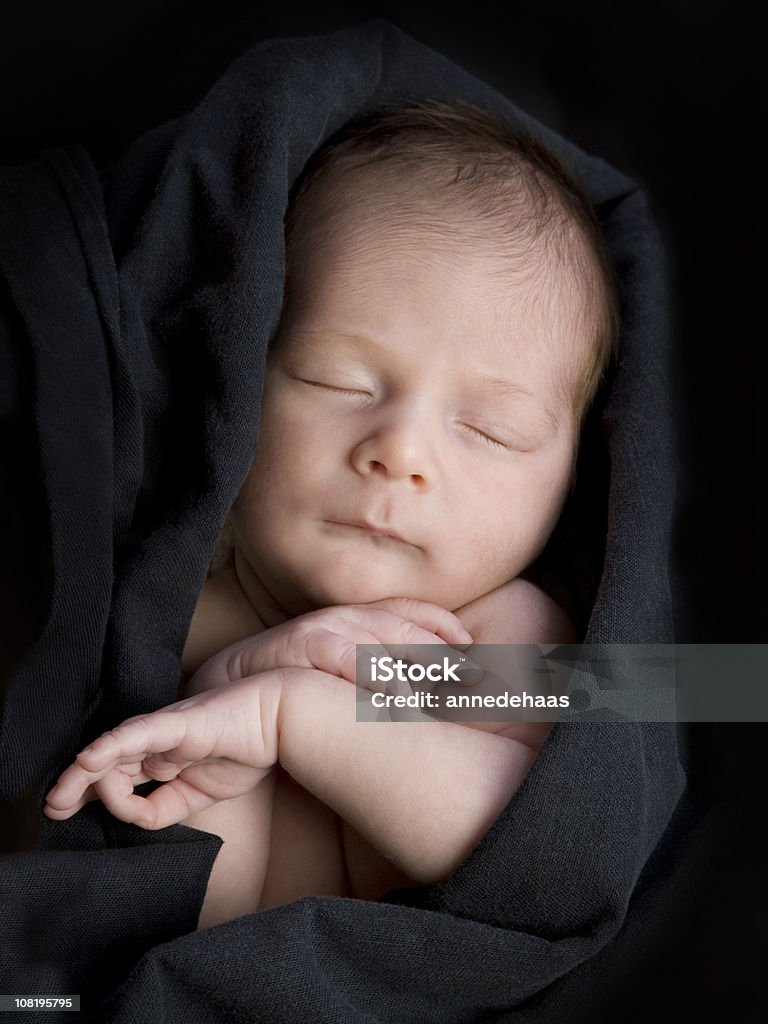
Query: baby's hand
x: 210, y: 747
x: 325, y: 639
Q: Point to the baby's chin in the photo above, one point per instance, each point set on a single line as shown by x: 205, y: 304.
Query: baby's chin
x: 367, y: 588
x: 351, y: 592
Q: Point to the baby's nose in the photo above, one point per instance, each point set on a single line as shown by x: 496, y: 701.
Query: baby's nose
x: 400, y: 451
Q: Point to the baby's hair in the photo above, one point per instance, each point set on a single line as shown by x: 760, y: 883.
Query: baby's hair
x: 458, y: 173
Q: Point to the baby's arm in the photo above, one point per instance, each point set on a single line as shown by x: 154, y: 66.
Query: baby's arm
x: 422, y: 793
x: 518, y: 612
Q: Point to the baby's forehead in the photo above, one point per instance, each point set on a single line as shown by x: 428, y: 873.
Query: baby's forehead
x: 351, y: 232
x: 361, y: 260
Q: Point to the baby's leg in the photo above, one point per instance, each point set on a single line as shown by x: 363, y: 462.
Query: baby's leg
x: 237, y: 878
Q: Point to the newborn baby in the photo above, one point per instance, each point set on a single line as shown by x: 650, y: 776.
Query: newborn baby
x: 448, y: 313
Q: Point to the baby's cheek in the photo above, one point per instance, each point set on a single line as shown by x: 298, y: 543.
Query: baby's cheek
x: 491, y: 548
x: 299, y: 449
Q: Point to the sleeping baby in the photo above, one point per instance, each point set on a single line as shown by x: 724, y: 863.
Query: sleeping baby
x: 448, y: 313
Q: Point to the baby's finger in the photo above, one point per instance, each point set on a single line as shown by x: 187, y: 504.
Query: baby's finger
x: 338, y: 655
x: 167, y: 805
x: 76, y: 787
x: 60, y: 814
x: 426, y: 668
x: 167, y: 732
x: 431, y: 617
x: 416, y: 644
x: 125, y: 745
x: 71, y: 792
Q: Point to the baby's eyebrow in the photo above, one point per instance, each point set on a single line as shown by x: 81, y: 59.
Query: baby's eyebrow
x: 510, y: 389
x: 506, y: 388
x: 358, y: 340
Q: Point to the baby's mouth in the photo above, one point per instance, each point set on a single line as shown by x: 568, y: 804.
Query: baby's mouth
x: 372, y: 529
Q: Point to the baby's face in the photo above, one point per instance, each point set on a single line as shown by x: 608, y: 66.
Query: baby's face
x: 414, y: 441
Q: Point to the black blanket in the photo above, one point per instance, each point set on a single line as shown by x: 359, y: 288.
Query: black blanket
x: 136, y: 304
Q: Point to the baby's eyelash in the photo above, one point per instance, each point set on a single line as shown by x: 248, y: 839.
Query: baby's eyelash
x: 486, y: 437
x: 330, y: 387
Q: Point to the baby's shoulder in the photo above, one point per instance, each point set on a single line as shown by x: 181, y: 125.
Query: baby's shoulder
x: 518, y: 612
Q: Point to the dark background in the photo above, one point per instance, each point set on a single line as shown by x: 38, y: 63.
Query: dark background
x: 668, y: 93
